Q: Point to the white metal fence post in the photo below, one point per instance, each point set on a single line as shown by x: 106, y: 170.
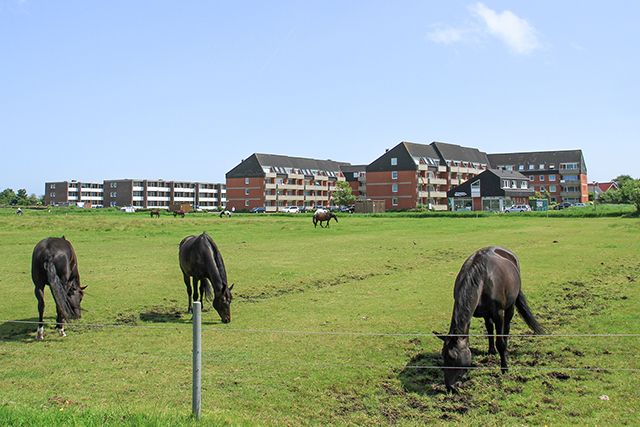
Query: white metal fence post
x: 197, y: 361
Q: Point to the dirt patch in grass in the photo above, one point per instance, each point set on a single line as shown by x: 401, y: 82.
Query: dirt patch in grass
x: 300, y: 287
x: 160, y: 314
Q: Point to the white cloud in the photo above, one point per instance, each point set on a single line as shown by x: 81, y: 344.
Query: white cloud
x: 515, y: 32
x: 447, y: 35
x: 519, y: 36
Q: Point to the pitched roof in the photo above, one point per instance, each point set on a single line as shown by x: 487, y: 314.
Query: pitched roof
x: 507, y: 174
x: 538, y: 158
x: 457, y: 152
x: 255, y: 165
x: 353, y: 168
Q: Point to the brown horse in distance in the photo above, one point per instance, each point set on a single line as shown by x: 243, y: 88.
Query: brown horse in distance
x: 154, y: 213
x: 179, y: 213
x: 321, y: 216
x: 487, y: 286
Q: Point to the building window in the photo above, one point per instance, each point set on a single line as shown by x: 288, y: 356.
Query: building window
x: 514, y: 184
x: 246, y: 203
x: 394, y: 188
x: 552, y: 166
x: 531, y: 167
x: 542, y: 189
x: 505, y: 183
x: 541, y: 166
x: 246, y: 191
x: 532, y: 178
x: 552, y: 189
x: 394, y: 174
x: 114, y: 185
x: 52, y: 186
x: 394, y: 161
x: 524, y: 185
x: 520, y: 167
x: 394, y: 201
x: 246, y: 181
x: 552, y: 177
x: 541, y: 178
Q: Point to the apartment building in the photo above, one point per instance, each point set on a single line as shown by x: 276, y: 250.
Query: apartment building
x: 414, y: 175
x: 275, y: 181
x: 158, y: 194
x: 64, y: 193
x: 491, y: 190
x: 356, y: 176
x: 560, y: 175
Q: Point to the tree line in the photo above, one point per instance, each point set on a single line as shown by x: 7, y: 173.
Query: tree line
x: 8, y: 197
x: 628, y: 192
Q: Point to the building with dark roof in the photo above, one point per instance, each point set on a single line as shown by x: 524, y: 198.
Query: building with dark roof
x: 356, y: 176
x: 491, y: 190
x: 559, y: 175
x: 276, y: 181
x: 411, y: 175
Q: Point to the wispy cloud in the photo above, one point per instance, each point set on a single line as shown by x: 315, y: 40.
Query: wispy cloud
x: 515, y: 32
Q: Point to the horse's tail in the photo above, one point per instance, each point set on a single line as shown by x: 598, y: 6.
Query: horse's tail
x: 58, y: 291
x: 525, y: 312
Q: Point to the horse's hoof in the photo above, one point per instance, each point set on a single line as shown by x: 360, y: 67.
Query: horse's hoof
x: 39, y: 337
x: 62, y: 333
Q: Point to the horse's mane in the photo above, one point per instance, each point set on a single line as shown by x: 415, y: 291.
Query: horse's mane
x: 217, y: 258
x: 466, y: 292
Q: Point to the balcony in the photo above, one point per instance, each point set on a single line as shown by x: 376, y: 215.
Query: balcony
x: 432, y: 194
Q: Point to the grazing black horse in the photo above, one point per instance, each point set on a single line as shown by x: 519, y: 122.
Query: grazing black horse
x: 321, y: 215
x: 200, y: 259
x: 179, y: 213
x: 54, y: 263
x: 488, y: 286
x: 154, y: 213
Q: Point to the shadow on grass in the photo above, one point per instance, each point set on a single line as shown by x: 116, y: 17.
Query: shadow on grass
x: 17, y: 331
x: 419, y: 375
x: 170, y: 315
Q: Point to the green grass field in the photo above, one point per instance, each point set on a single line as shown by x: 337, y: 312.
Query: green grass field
x: 330, y: 326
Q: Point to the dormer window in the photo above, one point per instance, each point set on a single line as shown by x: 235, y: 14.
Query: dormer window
x: 394, y: 161
x: 520, y: 167
x: 541, y: 166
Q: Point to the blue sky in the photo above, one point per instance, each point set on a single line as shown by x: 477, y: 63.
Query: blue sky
x: 186, y: 89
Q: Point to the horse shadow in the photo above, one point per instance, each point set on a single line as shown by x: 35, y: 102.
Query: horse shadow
x: 420, y: 375
x: 18, y: 331
x: 170, y: 315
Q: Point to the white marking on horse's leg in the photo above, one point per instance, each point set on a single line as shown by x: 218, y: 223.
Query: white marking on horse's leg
x: 40, y: 333
x: 61, y: 332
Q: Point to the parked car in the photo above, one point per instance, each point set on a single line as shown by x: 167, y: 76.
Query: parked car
x: 579, y: 205
x: 260, y: 209
x: 518, y: 208
x: 563, y: 205
x: 291, y: 209
x: 347, y: 209
x: 128, y: 209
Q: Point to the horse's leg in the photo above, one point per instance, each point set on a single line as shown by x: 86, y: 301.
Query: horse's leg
x: 39, y: 292
x: 488, y: 323
x: 187, y: 283
x: 503, y: 321
x: 60, y: 322
x: 196, y: 288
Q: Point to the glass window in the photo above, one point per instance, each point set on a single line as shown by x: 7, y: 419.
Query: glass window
x: 552, y: 177
x: 246, y: 203
x: 532, y: 178
x: 246, y: 181
x: 520, y: 167
x: 394, y: 201
x: 552, y: 188
x: 524, y: 185
x: 541, y: 165
x: 394, y: 188
x: 246, y: 191
x: 394, y: 175
x: 394, y: 161
x: 541, y: 178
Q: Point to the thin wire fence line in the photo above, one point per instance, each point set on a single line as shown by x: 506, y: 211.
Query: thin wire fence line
x: 252, y: 364
x: 170, y: 325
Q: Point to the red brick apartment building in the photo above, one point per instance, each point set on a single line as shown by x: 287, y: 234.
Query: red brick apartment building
x: 275, y: 181
x: 411, y: 175
x: 356, y: 176
x: 561, y: 174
